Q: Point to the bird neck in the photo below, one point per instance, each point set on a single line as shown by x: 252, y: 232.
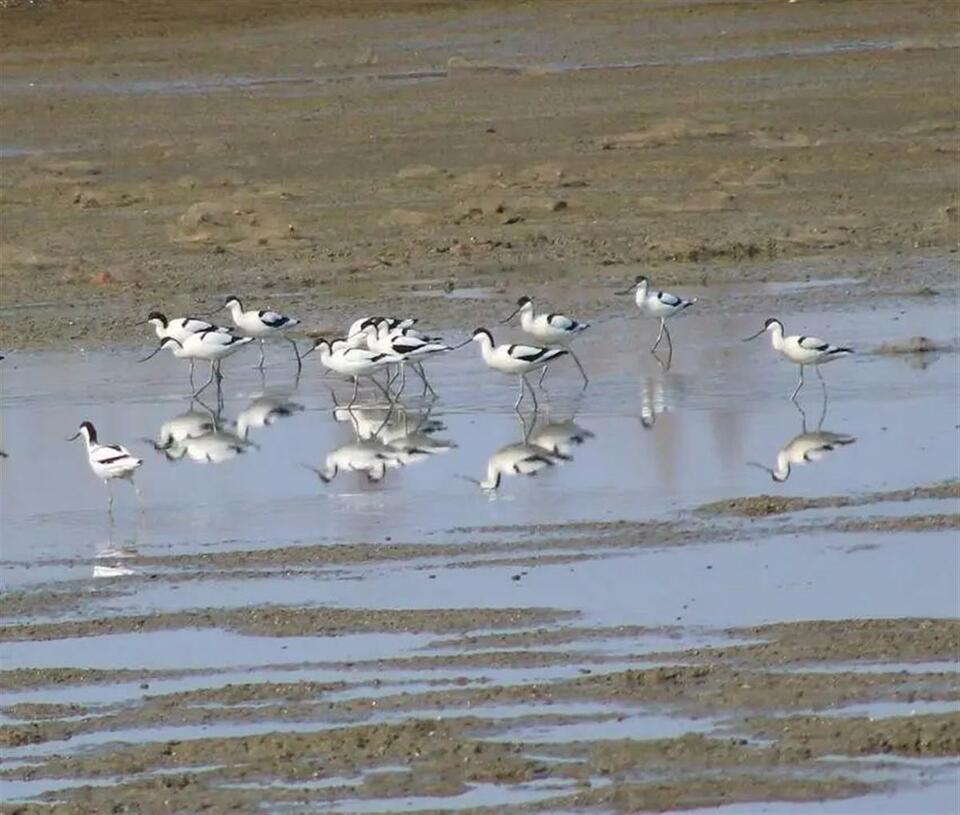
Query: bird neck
x: 486, y: 346
x: 776, y: 336
x: 235, y: 309
x: 526, y: 317
x: 642, y: 291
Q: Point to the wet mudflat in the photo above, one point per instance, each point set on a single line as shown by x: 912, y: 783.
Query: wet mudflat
x: 395, y: 637
x: 666, y: 616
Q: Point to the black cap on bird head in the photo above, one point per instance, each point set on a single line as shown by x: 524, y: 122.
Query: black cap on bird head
x: 156, y: 315
x: 86, y: 428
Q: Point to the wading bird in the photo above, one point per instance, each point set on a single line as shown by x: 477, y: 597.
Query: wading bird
x: 262, y: 324
x: 211, y: 345
x: 658, y: 304
x: 108, y: 461
x: 354, y: 362
x: 552, y: 329
x: 518, y: 360
x: 801, y: 350
x: 180, y: 328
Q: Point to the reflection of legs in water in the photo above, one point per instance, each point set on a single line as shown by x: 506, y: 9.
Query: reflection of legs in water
x: 583, y: 373
x: 527, y: 430
x: 297, y: 352
x: 418, y: 369
x: 664, y: 366
x: 516, y: 405
x: 793, y: 396
x: 823, y: 412
x: 664, y: 331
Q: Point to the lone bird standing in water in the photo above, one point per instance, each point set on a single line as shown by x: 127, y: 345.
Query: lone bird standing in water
x: 801, y: 350
x: 108, y: 461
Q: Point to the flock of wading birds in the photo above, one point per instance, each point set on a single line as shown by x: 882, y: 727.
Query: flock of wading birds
x: 388, y: 345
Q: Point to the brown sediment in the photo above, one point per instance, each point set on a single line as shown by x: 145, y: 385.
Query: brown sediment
x: 759, y: 506
x: 919, y: 735
x: 286, y: 621
x: 284, y: 161
x: 381, y: 147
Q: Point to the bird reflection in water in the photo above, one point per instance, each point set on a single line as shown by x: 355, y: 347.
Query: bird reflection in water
x: 540, y: 447
x: 806, y: 447
x: 112, y: 561
x: 264, y: 411
x: 654, y: 400
x: 384, y: 438
x: 199, y: 435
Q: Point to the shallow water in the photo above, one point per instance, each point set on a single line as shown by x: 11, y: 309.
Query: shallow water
x: 654, y: 443
x: 661, y: 441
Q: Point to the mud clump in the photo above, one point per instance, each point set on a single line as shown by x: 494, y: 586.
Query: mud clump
x: 759, y: 506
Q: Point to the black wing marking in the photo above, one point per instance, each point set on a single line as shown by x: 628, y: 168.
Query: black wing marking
x: 114, y: 459
x: 406, y: 346
x: 272, y: 319
x: 530, y: 356
x: 668, y: 299
x: 822, y: 347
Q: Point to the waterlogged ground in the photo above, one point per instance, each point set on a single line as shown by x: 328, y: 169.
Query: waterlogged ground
x: 651, y: 622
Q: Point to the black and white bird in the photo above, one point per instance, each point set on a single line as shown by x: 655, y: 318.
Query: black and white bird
x: 801, y: 350
x: 108, y: 461
x: 555, y: 330
x: 658, y: 304
x: 339, y: 357
x: 180, y: 328
x: 357, y: 334
x: 411, y: 346
x: 211, y: 345
x: 515, y: 359
x: 262, y: 324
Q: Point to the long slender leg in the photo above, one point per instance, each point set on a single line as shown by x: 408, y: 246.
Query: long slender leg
x: 207, y: 383
x: 136, y: 489
x: 663, y: 325
x: 356, y: 390
x: 823, y: 411
x: 109, y: 496
x: 533, y: 393
x: 583, y: 373
x: 516, y: 405
x: 669, y: 341
x: 260, y: 365
x: 296, y: 351
x: 418, y: 368
x: 382, y: 389
x: 796, y: 390
x: 217, y: 373
x: 543, y: 373
x: 193, y: 363
x: 403, y: 377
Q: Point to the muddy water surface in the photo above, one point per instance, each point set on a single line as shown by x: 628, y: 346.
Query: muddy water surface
x: 246, y: 578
